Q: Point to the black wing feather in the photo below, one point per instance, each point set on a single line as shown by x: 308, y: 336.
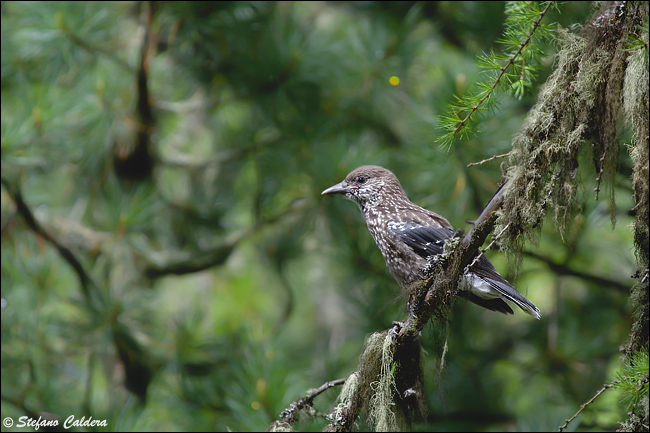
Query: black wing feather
x: 426, y: 241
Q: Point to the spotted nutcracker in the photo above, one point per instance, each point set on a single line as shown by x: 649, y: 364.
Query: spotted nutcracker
x: 409, y: 237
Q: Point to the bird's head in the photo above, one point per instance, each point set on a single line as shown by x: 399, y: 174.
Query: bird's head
x: 368, y: 186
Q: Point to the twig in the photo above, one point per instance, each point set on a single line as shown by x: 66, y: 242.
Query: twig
x: 189, y: 265
x: 290, y: 414
x: 65, y: 252
x: 600, y: 176
x: 472, y: 164
x: 582, y: 406
x: 561, y: 269
x: 220, y: 253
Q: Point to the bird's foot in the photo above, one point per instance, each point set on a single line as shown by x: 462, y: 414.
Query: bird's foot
x: 396, y: 329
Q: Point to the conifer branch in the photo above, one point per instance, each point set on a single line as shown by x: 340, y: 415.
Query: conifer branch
x: 516, y: 73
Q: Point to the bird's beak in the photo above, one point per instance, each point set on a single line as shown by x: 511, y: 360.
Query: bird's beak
x: 339, y: 188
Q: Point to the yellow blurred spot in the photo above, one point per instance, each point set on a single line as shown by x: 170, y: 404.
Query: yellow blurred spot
x: 256, y: 405
x: 36, y: 114
x: 394, y: 80
x: 60, y: 21
x: 260, y: 387
x: 100, y: 85
x: 461, y: 181
x: 461, y: 82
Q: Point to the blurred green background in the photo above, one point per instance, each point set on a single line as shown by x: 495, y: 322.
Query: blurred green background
x: 223, y: 285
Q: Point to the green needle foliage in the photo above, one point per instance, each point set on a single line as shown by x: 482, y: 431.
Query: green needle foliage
x: 636, y: 42
x: 512, y: 71
x: 632, y: 380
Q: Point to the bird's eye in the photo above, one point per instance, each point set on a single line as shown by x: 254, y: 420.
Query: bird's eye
x: 361, y: 179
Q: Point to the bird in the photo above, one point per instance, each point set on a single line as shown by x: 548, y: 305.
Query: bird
x: 410, y: 237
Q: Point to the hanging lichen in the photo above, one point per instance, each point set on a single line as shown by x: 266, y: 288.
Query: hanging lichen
x: 578, y: 111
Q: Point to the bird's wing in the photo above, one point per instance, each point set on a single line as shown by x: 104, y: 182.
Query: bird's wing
x: 426, y: 241
x: 483, y: 268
